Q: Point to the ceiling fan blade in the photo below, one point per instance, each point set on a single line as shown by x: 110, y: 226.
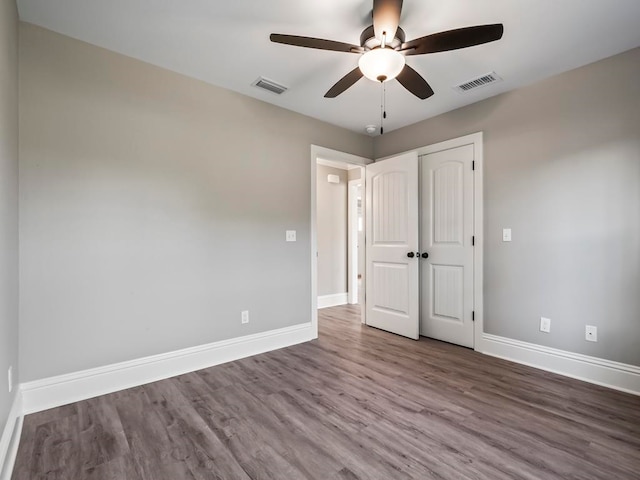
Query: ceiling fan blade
x: 319, y: 43
x: 453, y: 39
x: 413, y: 81
x: 345, y: 82
x: 386, y: 18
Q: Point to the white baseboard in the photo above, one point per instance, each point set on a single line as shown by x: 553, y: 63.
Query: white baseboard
x: 333, y: 300
x: 52, y: 392
x: 11, y: 437
x: 619, y: 376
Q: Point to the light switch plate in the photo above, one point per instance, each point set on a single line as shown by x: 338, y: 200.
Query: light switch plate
x: 506, y: 234
x: 291, y: 236
x: 545, y: 324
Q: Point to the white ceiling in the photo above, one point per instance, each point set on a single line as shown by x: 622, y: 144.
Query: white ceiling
x: 226, y: 43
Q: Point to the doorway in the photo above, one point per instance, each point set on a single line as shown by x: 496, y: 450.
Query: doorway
x: 337, y: 233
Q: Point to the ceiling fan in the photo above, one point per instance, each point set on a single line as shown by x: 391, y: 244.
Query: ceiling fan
x: 383, y: 49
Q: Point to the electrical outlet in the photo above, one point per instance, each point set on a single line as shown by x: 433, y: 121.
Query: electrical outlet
x: 545, y: 324
x: 10, y: 378
x: 506, y: 234
x: 290, y: 236
x: 245, y: 316
x: 591, y: 333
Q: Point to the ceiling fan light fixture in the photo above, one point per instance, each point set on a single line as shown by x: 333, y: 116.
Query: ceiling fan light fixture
x: 381, y: 64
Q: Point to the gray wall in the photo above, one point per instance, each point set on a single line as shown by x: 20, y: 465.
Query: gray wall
x: 332, y: 231
x: 154, y: 208
x: 8, y: 201
x: 562, y: 169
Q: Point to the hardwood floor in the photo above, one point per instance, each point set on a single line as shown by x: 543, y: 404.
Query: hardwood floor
x: 357, y: 403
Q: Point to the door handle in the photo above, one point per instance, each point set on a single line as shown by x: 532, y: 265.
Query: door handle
x: 425, y: 255
x: 411, y: 255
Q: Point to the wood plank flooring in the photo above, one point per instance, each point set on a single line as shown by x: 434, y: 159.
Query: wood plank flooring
x: 357, y: 403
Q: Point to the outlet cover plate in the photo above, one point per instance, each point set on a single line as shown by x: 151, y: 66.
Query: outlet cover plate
x: 290, y: 236
x: 244, y: 316
x: 591, y: 333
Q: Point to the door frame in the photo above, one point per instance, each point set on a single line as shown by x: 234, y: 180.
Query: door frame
x: 323, y: 153
x: 477, y: 140
x: 353, y: 259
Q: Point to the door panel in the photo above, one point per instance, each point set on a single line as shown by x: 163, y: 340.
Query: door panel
x: 446, y: 235
x: 391, y: 208
x: 447, y: 188
x: 447, y: 283
x: 392, y: 232
x: 390, y: 287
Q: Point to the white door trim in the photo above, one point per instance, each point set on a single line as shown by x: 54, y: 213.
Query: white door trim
x: 352, y: 240
x: 475, y: 139
x: 323, y: 153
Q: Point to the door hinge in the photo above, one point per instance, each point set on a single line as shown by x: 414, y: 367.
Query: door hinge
x: 473, y: 241
x: 473, y: 164
x: 473, y: 315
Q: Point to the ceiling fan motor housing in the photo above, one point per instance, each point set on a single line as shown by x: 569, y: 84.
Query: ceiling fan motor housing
x: 369, y: 41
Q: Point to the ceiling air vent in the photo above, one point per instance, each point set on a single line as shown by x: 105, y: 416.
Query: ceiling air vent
x: 269, y: 85
x: 478, y: 82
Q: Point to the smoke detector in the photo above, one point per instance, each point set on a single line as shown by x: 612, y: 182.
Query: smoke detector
x: 371, y: 129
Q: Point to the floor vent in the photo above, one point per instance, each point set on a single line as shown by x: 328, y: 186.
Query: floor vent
x: 478, y: 82
x: 269, y: 85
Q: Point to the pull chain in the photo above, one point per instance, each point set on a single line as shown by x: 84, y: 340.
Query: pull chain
x: 383, y: 106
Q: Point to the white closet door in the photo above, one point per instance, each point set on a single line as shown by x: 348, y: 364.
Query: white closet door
x: 392, y: 290
x: 446, y: 213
